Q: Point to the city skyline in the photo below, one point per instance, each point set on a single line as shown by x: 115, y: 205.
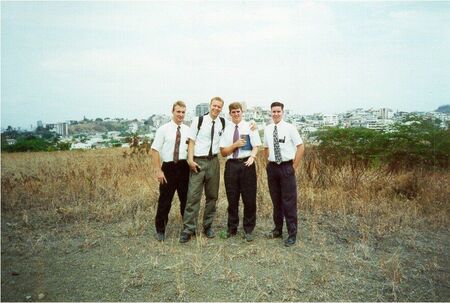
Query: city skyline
x: 63, y: 61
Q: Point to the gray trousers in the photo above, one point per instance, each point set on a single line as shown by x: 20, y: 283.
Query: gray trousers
x: 208, y: 178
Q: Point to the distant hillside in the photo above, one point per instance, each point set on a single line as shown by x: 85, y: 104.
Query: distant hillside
x: 444, y: 109
x: 93, y: 127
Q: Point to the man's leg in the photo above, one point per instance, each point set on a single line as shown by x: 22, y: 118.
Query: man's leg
x: 289, y: 198
x: 274, y: 181
x: 212, y: 180
x: 248, y: 189
x: 182, y: 184
x: 231, y: 177
x: 166, y: 192
x: 193, y: 201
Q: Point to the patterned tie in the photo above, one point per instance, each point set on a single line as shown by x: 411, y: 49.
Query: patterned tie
x: 235, y: 138
x: 176, y: 150
x: 276, y: 146
x: 212, y: 139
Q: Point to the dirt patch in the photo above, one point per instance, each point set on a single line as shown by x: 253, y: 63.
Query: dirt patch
x: 332, y: 261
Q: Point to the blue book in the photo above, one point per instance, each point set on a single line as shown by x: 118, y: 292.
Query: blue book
x: 248, y: 145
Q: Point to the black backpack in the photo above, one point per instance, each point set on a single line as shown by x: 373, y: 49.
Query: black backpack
x: 200, y: 121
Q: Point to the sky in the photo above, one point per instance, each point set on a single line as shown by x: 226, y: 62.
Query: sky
x: 65, y: 60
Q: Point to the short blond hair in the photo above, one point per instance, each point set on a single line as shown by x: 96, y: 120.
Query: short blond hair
x: 216, y: 99
x: 178, y: 103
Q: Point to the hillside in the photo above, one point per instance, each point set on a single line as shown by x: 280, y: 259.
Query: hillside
x: 444, y: 109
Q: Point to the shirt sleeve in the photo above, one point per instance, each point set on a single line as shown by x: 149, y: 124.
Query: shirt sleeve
x: 222, y: 139
x: 159, y: 139
x: 193, y: 129
x: 255, y: 140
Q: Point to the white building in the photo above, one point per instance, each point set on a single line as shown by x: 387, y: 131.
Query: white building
x: 62, y: 129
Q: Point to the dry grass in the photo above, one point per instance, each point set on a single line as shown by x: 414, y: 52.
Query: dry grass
x: 86, y: 218
x: 105, y: 186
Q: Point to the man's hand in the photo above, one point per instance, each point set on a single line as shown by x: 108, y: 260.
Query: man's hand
x: 250, y: 161
x: 194, y: 166
x: 160, y: 177
x: 253, y: 125
x: 239, y: 143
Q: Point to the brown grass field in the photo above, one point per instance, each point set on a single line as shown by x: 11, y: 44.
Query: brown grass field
x: 79, y: 226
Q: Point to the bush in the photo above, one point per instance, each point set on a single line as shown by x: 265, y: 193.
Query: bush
x: 415, y: 142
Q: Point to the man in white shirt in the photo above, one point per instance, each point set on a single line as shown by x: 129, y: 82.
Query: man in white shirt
x: 170, y: 146
x: 205, y: 170
x: 240, y: 145
x: 284, y: 149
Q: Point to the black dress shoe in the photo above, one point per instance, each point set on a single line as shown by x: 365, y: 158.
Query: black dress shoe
x: 289, y: 241
x: 230, y: 233
x: 185, y: 237
x: 275, y: 233
x: 160, y: 236
x: 249, y: 237
x: 209, y: 233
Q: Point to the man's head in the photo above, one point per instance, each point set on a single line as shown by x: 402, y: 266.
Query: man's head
x: 178, y: 112
x: 235, y: 112
x: 277, y: 109
x: 215, y: 107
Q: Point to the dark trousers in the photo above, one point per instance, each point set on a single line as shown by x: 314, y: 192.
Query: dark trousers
x: 240, y: 180
x: 283, y: 191
x: 177, y: 175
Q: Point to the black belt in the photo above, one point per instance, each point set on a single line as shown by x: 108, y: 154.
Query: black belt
x: 173, y: 162
x: 238, y: 159
x: 284, y: 162
x: 206, y: 157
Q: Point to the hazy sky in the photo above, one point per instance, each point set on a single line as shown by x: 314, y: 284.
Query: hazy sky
x: 64, y: 60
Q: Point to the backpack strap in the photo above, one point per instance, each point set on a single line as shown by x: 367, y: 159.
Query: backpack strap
x: 200, y: 122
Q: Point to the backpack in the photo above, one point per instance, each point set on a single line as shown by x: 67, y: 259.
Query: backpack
x: 200, y: 121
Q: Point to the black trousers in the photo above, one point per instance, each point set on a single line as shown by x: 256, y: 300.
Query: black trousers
x: 283, y: 191
x: 240, y: 180
x: 177, y: 175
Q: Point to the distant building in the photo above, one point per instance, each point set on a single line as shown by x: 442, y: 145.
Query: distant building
x: 62, y: 129
x: 201, y: 109
x: 39, y: 124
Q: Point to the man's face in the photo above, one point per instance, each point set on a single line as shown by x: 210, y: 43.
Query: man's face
x: 277, y: 114
x: 215, y: 108
x: 178, y: 114
x: 236, y: 115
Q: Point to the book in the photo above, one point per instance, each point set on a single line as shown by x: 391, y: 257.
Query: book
x: 248, y: 144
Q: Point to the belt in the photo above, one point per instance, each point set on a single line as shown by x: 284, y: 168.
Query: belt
x: 206, y: 157
x: 238, y: 159
x: 173, y: 162
x: 284, y: 162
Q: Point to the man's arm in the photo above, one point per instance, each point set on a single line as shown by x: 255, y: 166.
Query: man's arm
x: 226, y: 151
x: 193, y: 165
x: 159, y: 174
x: 298, y: 155
x: 252, y: 157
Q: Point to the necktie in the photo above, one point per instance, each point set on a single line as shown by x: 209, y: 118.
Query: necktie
x: 212, y: 139
x: 276, y: 146
x: 176, y: 150
x: 235, y: 138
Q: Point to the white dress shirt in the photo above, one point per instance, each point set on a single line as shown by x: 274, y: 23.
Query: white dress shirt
x: 164, y: 141
x: 288, y: 137
x: 244, y: 129
x: 203, y: 138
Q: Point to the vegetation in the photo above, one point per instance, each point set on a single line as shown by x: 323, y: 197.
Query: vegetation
x: 34, y: 144
x: 415, y: 142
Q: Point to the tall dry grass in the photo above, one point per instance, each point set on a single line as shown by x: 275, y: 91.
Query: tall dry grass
x: 103, y: 185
